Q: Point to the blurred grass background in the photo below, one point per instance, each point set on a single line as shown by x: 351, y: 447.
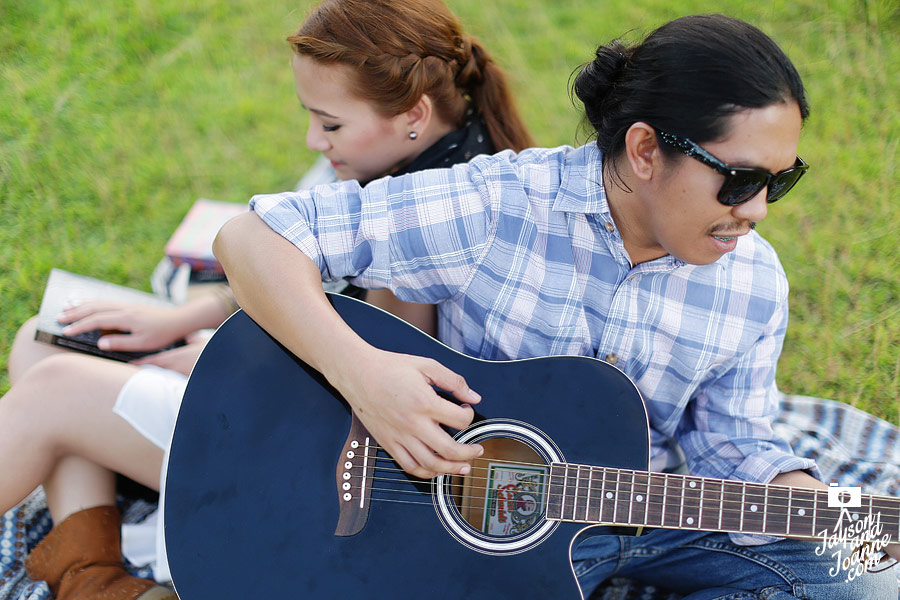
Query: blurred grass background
x: 116, y: 116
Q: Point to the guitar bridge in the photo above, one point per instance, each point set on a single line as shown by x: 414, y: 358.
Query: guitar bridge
x: 354, y: 476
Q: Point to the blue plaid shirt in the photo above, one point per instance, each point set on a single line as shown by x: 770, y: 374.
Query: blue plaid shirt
x: 522, y: 257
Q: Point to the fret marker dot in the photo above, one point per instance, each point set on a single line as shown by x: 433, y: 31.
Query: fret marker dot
x: 609, y: 494
x: 639, y: 498
x: 753, y: 508
x: 693, y: 484
x: 690, y: 520
x: 856, y: 516
x: 801, y: 512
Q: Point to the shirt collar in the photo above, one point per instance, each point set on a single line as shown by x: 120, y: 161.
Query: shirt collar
x: 581, y: 187
x: 581, y: 190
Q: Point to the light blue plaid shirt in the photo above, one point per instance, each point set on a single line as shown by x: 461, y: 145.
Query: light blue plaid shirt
x: 523, y: 259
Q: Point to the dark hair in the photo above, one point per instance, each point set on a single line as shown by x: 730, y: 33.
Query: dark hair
x: 399, y: 50
x: 686, y: 78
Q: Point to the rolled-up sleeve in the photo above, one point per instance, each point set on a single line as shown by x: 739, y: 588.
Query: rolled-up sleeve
x: 419, y: 235
x: 727, y: 432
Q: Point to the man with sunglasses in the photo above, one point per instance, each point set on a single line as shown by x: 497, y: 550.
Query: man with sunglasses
x: 638, y: 249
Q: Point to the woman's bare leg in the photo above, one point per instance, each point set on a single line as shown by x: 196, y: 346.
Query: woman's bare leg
x: 77, y: 484
x: 57, y: 426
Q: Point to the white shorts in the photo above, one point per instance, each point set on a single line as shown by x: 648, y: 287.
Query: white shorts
x: 149, y: 402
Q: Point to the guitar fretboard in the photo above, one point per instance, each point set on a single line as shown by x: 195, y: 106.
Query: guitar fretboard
x: 588, y: 494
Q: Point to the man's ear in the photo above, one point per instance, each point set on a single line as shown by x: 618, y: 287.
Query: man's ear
x: 419, y: 117
x: 642, y: 150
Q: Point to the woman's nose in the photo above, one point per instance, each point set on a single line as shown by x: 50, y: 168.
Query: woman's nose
x: 316, y: 139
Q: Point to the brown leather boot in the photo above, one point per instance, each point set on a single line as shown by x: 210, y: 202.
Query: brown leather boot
x: 81, y: 559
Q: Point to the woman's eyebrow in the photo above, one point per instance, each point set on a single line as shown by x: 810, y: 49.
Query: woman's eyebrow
x: 319, y: 112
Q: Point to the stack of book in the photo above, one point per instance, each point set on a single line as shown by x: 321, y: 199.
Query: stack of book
x: 191, y: 243
x: 189, y: 260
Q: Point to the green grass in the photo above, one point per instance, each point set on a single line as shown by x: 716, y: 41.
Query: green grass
x: 115, y: 116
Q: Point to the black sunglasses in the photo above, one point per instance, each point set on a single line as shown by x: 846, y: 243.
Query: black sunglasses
x: 741, y: 183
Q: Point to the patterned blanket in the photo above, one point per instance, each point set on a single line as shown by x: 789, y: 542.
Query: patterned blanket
x: 851, y: 448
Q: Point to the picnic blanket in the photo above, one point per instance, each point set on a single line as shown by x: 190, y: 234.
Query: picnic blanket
x: 851, y: 447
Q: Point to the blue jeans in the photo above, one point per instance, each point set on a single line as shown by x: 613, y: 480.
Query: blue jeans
x: 708, y: 566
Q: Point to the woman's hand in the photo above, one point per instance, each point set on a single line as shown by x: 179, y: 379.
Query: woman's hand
x: 392, y: 395
x: 136, y: 327
x: 178, y: 359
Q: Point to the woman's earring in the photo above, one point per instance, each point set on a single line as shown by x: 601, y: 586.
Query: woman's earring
x: 413, y: 135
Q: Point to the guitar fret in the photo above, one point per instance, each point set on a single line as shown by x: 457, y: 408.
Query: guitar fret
x: 594, y: 510
x: 608, y: 505
x: 721, y: 502
x: 577, y: 492
x: 692, y: 508
x: 743, y: 506
x: 778, y: 511
x: 655, y: 499
x: 790, y: 508
x: 584, y: 485
x: 587, y: 500
x: 641, y: 493
x: 700, y: 510
x: 732, y: 506
x: 631, y: 497
x: 711, y: 505
x: 571, y: 500
x: 624, y: 492
x: 672, y: 510
x: 802, y: 513
x: 815, y: 511
x: 555, y: 492
x: 602, y: 505
x: 566, y: 497
x: 754, y: 509
x: 615, y: 500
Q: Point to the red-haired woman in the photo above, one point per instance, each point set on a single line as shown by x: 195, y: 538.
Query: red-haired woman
x: 391, y: 86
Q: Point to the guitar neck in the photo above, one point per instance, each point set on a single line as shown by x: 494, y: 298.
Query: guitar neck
x: 589, y: 494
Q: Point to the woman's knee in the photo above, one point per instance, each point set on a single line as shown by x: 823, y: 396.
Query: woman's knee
x: 58, y: 379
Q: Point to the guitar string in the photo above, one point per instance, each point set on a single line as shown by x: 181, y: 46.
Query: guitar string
x: 650, y: 502
x: 889, y: 503
x: 658, y: 507
x: 663, y: 521
x: 652, y: 509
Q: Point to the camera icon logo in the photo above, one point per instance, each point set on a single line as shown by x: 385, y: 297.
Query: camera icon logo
x: 844, y: 496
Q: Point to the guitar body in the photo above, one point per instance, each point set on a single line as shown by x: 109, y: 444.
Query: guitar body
x: 258, y: 476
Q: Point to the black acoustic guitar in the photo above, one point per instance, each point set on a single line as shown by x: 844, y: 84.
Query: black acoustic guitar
x: 274, y: 489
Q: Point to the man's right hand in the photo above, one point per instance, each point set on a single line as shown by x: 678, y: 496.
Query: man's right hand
x: 392, y: 395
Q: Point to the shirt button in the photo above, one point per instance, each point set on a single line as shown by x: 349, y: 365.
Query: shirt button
x: 610, y: 227
x: 612, y: 358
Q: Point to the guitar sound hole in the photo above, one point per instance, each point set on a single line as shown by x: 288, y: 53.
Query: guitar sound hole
x: 503, y: 495
x: 500, y: 507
